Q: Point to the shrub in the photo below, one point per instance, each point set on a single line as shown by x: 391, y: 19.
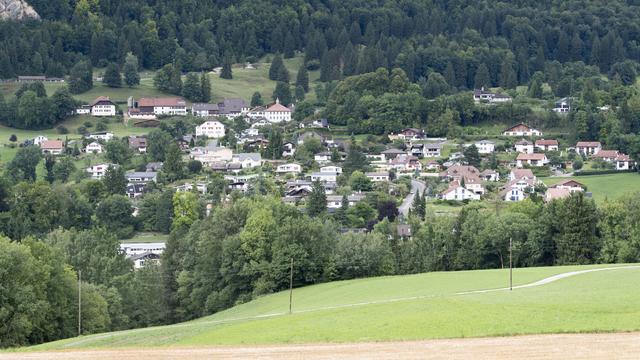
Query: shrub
x: 81, y: 130
x: 88, y: 124
x: 62, y: 129
x: 13, y: 138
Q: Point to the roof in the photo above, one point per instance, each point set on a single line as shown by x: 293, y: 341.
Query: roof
x: 534, y: 156
x: 233, y: 105
x: 166, y: 101
x: 588, y: 144
x: 543, y: 142
x: 137, y: 141
x: 393, y: 151
x: 377, y: 174
x: 141, y: 174
x: 204, y: 107
x: 353, y: 197
x: 484, y: 142
x: 488, y: 172
x: 623, y: 157
x: 522, y: 173
x: 52, y: 144
x: 555, y: 193
x: 101, y: 99
x: 517, y: 125
x: 567, y: 182
x: 248, y: 156
x: 277, y: 107
x: 403, y: 229
x: 607, y: 154
x: 460, y: 170
x: 524, y: 142
x: 433, y: 146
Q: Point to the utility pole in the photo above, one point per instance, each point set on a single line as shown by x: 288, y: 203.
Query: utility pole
x: 510, y: 264
x: 290, y: 285
x: 79, y: 302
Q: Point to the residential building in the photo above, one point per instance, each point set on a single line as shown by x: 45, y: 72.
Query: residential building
x: 406, y: 163
x: 518, y: 189
x: 53, y: 147
x: 378, y: 176
x: 324, y: 177
x: 209, y: 156
x: 142, y: 260
x: 624, y: 162
x: 404, y: 231
x: 531, y: 160
x: 169, y: 106
x: 229, y: 108
x: 103, y: 106
x: 432, y: 150
x: 247, y: 160
x: 456, y: 192
x: 199, y: 186
x: 130, y: 249
x: 331, y: 169
x: 135, y: 190
x: 101, y: 135
x: 570, y: 185
x: 588, y: 148
x: 309, y: 135
x: 517, y: 174
x: 94, y: 147
x: 606, y: 155
x: 484, y: 96
x: 524, y: 146
x: 211, y: 129
x: 322, y: 157
x: 562, y: 106
x: 521, y: 130
x: 490, y: 175
x: 556, y: 193
x: 411, y: 134
x: 138, y: 143
x: 141, y: 176
x: 154, y: 166
x: 290, y: 168
x: 97, y: 171
x: 547, y: 145
x: 335, y: 201
x: 391, y: 154
x: 204, y: 110
x: 485, y: 146
x: 274, y: 113
x: 288, y: 149
x: 39, y: 139
x: 417, y: 150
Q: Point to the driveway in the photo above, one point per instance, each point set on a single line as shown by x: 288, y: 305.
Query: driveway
x: 416, y: 185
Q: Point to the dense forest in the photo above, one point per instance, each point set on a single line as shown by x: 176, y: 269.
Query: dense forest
x: 496, y: 42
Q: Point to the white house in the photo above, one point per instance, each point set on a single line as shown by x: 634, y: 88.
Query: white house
x: 521, y: 130
x: 624, y: 162
x: 152, y: 107
x: 101, y: 135
x: 588, y: 148
x: 324, y: 177
x: 322, y: 157
x: 199, y: 186
x: 97, y: 171
x: 248, y: 160
x: 94, y: 147
x: 562, y: 106
x: 289, y: 168
x: 335, y: 201
x: 53, y: 147
x: 485, y: 146
x: 481, y: 95
x: 331, y: 169
x: 569, y: 184
x: 524, y: 146
x: 141, y: 176
x: 378, y: 176
x: 130, y: 249
x: 274, y: 113
x: 459, y: 193
x: 517, y: 174
x: 531, y: 160
x: 210, y: 129
x: 210, y: 156
x: 391, y: 154
x: 432, y: 150
x: 288, y: 149
x: 490, y: 175
x: 547, y: 145
x: 39, y: 139
x: 103, y: 106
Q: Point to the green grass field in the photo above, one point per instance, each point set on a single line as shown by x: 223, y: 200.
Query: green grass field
x: 147, y: 238
x: 603, y: 187
x: 421, y: 306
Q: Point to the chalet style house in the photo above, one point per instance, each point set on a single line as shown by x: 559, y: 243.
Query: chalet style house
x: 588, y: 148
x: 547, y: 145
x: 481, y: 95
x: 274, y: 113
x: 102, y: 106
x: 521, y: 130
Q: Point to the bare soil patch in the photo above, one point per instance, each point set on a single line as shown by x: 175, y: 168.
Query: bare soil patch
x: 531, y: 347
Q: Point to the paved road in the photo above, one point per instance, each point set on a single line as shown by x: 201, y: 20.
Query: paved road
x: 416, y: 185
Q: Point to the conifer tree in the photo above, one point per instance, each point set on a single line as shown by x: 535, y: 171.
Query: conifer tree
x: 205, y: 87
x: 302, y: 78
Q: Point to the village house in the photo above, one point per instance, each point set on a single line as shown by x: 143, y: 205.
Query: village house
x: 588, y: 148
x: 209, y: 156
x: 288, y: 149
x: 547, y: 145
x: 102, y: 106
x: 433, y: 165
x: 531, y: 160
x: 556, y: 193
x: 135, y: 190
x: 143, y: 254
x: 289, y: 168
x: 322, y: 157
x: 101, y: 135
x: 406, y: 163
x: 324, y: 177
x: 569, y: 184
x: 199, y: 186
x: 484, y: 96
x: 331, y: 169
x: 97, y: 171
x: 517, y: 174
x: 274, y: 113
x: 335, y: 201
x: 141, y: 176
x: 404, y: 231
x: 455, y: 191
x: 142, y: 260
x: 150, y: 108
x: 229, y: 108
x: 467, y: 174
x: 38, y: 140
x: 490, y: 175
x: 94, y: 147
x: 606, y: 155
x: 417, y: 150
x: 378, y: 176
x: 411, y: 134
x: 521, y: 130
x: 53, y: 147
x: 138, y: 143
x: 562, y: 106
x: 624, y: 162
x: 211, y: 129
x: 619, y: 160
x: 524, y: 146
x: 518, y: 189
x: 485, y: 146
x: 391, y: 154
x: 309, y: 135
x: 248, y: 160
x: 432, y: 150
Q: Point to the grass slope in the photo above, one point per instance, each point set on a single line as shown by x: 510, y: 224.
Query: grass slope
x: 603, y: 187
x: 407, y: 307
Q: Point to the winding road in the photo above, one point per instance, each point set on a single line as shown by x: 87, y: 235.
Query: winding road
x: 416, y: 185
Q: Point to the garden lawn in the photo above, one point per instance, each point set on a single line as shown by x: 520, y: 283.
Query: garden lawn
x: 603, y: 187
x: 411, y: 307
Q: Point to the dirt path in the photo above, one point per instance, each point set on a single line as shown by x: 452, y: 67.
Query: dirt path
x: 531, y: 347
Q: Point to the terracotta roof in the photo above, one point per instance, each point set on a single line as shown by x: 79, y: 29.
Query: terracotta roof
x: 544, y: 142
x: 52, y: 144
x: 588, y: 144
x: 567, y: 182
x: 517, y: 125
x: 522, y: 173
x: 277, y: 107
x: 607, y: 154
x: 554, y: 193
x: 623, y: 157
x: 522, y: 156
x: 168, y: 101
